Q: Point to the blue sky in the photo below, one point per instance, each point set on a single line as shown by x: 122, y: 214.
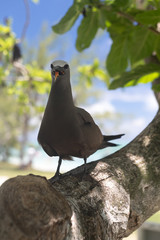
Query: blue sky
x: 50, y: 11
x: 46, y: 10
x: 137, y: 104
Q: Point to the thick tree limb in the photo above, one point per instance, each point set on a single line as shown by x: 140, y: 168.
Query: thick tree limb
x: 115, y: 196
x: 31, y: 209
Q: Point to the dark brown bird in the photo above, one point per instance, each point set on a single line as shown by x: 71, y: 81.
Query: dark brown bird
x: 67, y: 130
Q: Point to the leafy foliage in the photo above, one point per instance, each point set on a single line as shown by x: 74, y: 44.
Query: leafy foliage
x: 88, y: 30
x: 68, y: 20
x: 134, y: 29
x: 6, y: 41
x: 90, y: 71
x: 151, y: 17
x: 21, y: 79
x: 118, y: 55
x: 140, y: 74
x: 22, y: 87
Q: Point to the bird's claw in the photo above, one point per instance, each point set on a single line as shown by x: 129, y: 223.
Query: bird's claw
x: 55, y: 178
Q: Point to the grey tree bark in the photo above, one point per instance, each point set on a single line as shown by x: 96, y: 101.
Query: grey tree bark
x: 111, y: 200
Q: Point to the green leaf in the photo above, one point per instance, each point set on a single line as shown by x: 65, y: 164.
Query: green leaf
x: 40, y: 109
x: 4, y: 29
x: 41, y: 87
x: 117, y: 59
x: 148, y: 78
x: 87, y: 30
x: 68, y: 20
x: 157, y: 46
x: 142, y: 44
x: 141, y: 74
x: 101, y: 74
x: 35, y: 73
x: 149, y: 17
x: 156, y: 87
x: 121, y: 4
x: 91, y: 71
x: 102, y: 18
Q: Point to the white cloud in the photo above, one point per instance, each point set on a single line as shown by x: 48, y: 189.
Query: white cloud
x: 132, y: 127
x: 141, y: 94
x: 151, y: 103
x: 131, y: 94
x: 136, y: 125
x: 100, y: 107
x: 124, y: 96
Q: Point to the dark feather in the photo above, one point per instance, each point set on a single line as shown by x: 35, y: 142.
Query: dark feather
x: 112, y: 137
x: 16, y: 52
x: 106, y: 140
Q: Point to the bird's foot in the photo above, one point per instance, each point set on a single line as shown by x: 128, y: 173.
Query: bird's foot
x: 84, y: 169
x: 55, y: 178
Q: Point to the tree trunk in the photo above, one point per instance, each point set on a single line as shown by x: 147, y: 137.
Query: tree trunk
x: 111, y: 200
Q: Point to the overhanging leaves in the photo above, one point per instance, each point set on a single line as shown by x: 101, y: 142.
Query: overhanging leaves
x: 68, y: 20
x: 87, y: 30
x: 131, y: 30
x: 149, y: 17
x: 117, y: 59
x: 141, y: 74
x: 142, y: 44
x: 102, y: 18
x: 121, y: 4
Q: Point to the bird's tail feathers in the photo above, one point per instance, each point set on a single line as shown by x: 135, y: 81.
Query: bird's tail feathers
x: 107, y: 144
x: 106, y: 140
x: 112, y: 137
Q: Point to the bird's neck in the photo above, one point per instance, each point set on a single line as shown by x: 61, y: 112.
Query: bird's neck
x: 61, y: 95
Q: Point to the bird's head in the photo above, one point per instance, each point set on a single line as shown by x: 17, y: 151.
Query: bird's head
x: 59, y: 68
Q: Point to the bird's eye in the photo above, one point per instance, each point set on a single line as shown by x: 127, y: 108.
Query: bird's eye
x: 66, y: 66
x: 61, y: 72
x: 51, y: 65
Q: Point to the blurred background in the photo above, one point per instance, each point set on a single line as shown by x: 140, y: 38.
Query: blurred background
x: 27, y: 47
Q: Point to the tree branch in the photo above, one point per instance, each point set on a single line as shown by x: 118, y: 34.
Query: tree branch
x: 131, y: 19
x: 112, y: 199
x: 27, y: 20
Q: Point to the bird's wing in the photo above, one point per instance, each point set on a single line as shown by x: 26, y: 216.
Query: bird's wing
x: 84, y: 116
x: 49, y: 150
x: 92, y: 135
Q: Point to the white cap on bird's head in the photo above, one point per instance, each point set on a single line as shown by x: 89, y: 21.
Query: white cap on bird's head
x: 59, y: 63
x: 59, y: 67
